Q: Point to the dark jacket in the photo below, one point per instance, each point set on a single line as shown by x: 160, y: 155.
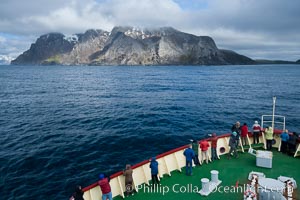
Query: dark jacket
x: 214, y: 141
x: 78, y: 194
x: 292, y: 139
x: 195, y: 146
x: 233, y: 140
x: 154, y: 166
x: 236, y: 129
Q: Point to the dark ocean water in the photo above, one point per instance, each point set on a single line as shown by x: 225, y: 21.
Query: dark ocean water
x: 62, y: 126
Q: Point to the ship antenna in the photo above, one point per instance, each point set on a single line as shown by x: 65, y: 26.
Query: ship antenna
x: 273, y: 115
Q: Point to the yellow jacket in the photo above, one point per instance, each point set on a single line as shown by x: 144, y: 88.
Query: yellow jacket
x: 269, y: 134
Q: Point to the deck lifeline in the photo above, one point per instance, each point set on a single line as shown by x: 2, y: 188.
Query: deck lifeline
x: 230, y: 172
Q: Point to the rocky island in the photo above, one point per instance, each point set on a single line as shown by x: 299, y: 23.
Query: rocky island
x: 128, y: 46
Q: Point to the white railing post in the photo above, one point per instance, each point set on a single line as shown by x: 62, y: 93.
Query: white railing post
x: 273, y: 115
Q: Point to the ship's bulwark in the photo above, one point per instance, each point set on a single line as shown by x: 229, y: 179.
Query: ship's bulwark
x: 232, y: 174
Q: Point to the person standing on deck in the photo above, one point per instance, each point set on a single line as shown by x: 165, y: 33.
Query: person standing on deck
x: 78, y: 194
x: 237, y: 128
x: 284, y: 141
x: 292, y: 143
x: 232, y: 145
x: 195, y: 147
x: 189, y: 155
x: 128, y: 180
x: 154, y: 171
x: 269, y: 137
x: 105, y: 187
x: 204, y: 150
x: 256, y: 131
x: 244, y: 133
x: 214, y: 141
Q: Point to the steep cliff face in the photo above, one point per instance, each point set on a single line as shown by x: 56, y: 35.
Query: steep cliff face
x: 45, y: 47
x: 129, y: 46
x: 88, y: 43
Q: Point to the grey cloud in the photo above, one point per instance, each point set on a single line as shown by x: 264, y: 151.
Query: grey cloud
x: 15, y: 45
x: 18, y: 9
x: 241, y: 25
x: 264, y: 15
x: 32, y: 17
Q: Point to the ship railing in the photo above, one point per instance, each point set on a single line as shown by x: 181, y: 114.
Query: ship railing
x: 168, y: 162
x: 278, y: 120
x: 274, y: 121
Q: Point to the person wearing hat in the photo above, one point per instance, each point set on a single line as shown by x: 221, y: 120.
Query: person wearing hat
x: 256, y: 131
x: 232, y: 144
x: 154, y: 171
x: 105, y: 187
x: 214, y: 141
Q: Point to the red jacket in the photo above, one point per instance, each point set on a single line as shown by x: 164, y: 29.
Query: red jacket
x: 256, y: 128
x: 104, y: 185
x: 204, y: 145
x: 214, y: 141
x: 244, y: 131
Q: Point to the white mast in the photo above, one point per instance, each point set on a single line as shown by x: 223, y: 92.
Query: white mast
x: 273, y: 115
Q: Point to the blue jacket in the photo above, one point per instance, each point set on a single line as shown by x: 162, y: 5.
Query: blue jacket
x: 189, y: 154
x: 284, y: 137
x: 154, y: 166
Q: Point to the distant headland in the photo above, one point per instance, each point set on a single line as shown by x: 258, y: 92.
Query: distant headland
x: 131, y: 46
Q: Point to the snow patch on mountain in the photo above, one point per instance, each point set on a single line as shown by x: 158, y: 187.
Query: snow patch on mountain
x: 71, y: 38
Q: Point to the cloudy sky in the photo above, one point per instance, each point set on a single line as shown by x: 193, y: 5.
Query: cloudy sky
x: 256, y: 28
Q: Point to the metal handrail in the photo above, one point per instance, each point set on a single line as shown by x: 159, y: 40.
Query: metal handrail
x: 263, y: 121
